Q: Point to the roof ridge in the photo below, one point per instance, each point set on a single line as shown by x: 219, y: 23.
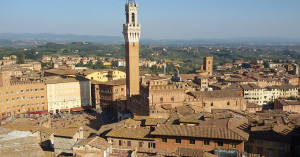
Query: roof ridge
x: 93, y: 139
x: 233, y: 130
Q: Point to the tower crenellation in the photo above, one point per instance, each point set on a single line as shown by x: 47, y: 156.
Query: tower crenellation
x: 132, y: 33
x: 131, y: 30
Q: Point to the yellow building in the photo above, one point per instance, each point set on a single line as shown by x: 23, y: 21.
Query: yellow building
x: 67, y: 93
x: 107, y: 64
x: 103, y: 75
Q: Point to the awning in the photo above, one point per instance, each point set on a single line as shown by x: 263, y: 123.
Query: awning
x: 77, y: 109
x: 64, y: 110
x: 38, y: 112
x: 51, y: 111
x: 81, y: 108
x: 87, y: 107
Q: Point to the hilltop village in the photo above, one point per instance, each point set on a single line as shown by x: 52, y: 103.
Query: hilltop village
x: 65, y: 110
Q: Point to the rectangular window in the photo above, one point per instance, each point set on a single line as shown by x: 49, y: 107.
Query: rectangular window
x: 220, y: 144
x: 151, y: 145
x: 164, y: 140
x: 129, y: 143
x: 270, y: 153
x: 282, y: 154
x: 178, y: 141
x: 260, y: 142
x: 120, y: 142
x: 161, y: 99
x: 140, y: 144
x: 281, y: 145
x: 233, y: 145
x: 259, y: 151
x: 192, y: 142
x: 249, y: 149
x: 206, y: 142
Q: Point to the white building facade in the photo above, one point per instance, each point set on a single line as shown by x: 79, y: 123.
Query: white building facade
x: 63, y: 94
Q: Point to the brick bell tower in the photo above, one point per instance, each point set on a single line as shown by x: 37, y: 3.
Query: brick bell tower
x: 132, y: 33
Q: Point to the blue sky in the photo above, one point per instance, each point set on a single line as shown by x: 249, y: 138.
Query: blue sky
x: 160, y: 19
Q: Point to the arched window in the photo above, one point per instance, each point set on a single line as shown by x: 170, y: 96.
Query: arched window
x: 133, y: 18
x: 228, y: 103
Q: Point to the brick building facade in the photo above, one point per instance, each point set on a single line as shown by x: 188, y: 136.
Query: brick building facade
x: 17, y: 97
x: 105, y: 94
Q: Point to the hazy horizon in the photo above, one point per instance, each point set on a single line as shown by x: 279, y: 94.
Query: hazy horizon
x: 168, y: 19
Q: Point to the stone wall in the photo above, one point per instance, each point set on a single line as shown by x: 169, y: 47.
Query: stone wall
x: 64, y: 144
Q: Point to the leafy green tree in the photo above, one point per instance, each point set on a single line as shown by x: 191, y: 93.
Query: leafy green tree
x: 21, y: 59
x: 79, y: 65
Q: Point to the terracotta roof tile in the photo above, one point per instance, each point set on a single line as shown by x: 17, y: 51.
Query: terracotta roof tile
x: 66, y: 132
x: 130, y: 133
x: 216, y: 94
x: 111, y: 83
x: 214, y: 132
x: 96, y: 141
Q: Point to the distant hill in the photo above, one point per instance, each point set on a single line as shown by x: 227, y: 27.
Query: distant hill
x: 30, y: 39
x: 62, y: 38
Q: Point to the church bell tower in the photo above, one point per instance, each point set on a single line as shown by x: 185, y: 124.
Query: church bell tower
x: 132, y: 33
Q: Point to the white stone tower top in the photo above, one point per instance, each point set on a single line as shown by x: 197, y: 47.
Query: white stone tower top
x: 131, y: 30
